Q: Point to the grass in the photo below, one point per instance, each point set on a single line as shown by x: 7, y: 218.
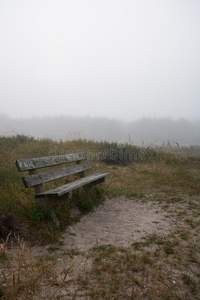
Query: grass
x: 141, y: 271
x: 122, y: 273
x: 23, y: 273
x: 72, y: 252
x: 156, y: 267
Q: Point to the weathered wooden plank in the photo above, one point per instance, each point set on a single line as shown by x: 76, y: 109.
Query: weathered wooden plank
x: 90, y: 185
x: 66, y: 188
x: 36, y: 179
x: 39, y: 188
x: 48, y: 161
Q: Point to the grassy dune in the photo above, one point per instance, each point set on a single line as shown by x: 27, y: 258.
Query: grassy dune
x: 134, y: 171
x: 168, y: 175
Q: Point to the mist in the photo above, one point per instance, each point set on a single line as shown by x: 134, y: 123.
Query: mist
x: 145, y: 131
x: 117, y: 59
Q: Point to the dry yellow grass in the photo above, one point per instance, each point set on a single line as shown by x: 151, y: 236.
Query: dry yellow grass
x: 20, y: 271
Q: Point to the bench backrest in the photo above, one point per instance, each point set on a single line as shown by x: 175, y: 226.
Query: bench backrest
x: 36, y: 180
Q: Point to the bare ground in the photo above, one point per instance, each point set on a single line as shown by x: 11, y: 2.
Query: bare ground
x: 120, y: 222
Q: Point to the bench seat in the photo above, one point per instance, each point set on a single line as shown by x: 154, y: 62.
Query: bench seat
x: 66, y: 188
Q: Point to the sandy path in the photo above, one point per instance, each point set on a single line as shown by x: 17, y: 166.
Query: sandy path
x: 119, y: 221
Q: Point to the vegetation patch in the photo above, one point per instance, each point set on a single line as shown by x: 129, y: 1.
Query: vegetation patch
x: 123, y: 273
x: 153, y: 267
x: 23, y: 273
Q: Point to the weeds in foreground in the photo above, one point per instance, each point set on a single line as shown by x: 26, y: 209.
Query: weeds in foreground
x: 139, y: 272
x: 23, y: 272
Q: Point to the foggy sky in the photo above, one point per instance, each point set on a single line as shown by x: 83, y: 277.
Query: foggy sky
x: 123, y: 59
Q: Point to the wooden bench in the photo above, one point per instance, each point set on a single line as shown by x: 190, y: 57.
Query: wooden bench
x: 37, y: 180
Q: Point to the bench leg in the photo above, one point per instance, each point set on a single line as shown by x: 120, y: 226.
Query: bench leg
x: 53, y: 217
x: 47, y: 205
x: 52, y: 202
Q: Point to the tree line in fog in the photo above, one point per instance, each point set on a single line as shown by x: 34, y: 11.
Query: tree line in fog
x: 143, y: 131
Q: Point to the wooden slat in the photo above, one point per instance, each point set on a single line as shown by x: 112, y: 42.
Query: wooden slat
x: 48, y: 161
x: 66, y: 188
x: 36, y: 179
x: 39, y: 188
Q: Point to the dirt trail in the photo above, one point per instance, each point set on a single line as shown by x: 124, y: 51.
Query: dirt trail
x: 119, y: 221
